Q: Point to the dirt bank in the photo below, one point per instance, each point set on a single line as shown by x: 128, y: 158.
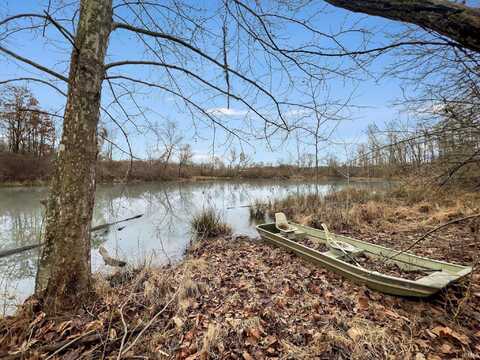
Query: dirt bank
x: 238, y: 299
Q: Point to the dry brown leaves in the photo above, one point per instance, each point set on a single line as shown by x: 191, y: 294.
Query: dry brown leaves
x: 239, y: 299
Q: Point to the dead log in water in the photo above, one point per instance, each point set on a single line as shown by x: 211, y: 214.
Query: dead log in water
x: 110, y: 261
x: 10, y: 252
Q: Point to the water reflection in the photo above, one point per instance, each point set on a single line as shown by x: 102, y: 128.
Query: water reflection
x: 160, y: 236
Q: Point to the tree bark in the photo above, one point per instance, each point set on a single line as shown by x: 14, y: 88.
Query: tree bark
x: 455, y: 21
x: 64, y: 274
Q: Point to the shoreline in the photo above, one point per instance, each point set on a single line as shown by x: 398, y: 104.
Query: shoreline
x: 237, y: 297
x: 261, y: 302
x: 45, y: 183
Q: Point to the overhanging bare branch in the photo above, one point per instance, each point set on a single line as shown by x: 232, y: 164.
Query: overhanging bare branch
x: 34, y: 79
x: 183, y: 97
x: 34, y: 64
x: 199, y: 78
x: 117, y: 25
x: 456, y: 21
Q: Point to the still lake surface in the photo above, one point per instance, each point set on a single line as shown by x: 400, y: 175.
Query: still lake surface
x: 160, y: 236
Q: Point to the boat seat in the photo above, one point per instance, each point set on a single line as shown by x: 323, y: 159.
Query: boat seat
x: 332, y: 254
x: 345, y: 248
x: 284, y: 227
x: 300, y: 234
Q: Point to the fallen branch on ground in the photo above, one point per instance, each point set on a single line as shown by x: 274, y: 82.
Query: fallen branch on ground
x: 58, y: 347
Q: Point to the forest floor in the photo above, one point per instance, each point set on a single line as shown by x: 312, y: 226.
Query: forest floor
x: 238, y: 298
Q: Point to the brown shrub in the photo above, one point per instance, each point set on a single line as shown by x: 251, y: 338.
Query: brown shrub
x: 24, y: 168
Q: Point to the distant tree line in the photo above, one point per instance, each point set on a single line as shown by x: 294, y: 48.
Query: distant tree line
x: 448, y: 149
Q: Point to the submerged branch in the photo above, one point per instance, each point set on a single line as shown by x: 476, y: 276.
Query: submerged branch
x: 10, y: 252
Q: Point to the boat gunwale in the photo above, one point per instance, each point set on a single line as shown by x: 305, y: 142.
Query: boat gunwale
x: 395, y: 252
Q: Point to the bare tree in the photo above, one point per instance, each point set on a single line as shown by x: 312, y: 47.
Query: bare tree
x: 243, y: 159
x: 439, y: 60
x: 232, y: 158
x: 168, y: 134
x: 185, y: 157
x: 27, y: 128
x: 322, y: 122
x: 72, y: 191
x: 193, y: 62
x: 71, y: 199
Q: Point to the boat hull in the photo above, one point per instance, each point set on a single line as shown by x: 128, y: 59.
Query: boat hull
x: 422, y: 287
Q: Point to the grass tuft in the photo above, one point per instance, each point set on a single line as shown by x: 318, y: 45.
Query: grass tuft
x: 209, y: 223
x: 258, y: 210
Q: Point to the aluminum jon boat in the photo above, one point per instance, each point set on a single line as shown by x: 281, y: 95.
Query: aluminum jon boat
x: 342, y: 251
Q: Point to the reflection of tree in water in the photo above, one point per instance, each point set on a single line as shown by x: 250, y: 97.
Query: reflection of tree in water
x: 164, y: 205
x: 21, y: 218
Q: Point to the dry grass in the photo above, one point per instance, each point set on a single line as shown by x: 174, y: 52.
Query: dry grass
x: 340, y: 210
x: 373, y: 341
x: 209, y: 223
x: 265, y: 303
x: 211, y: 338
x: 258, y: 210
x: 351, y: 208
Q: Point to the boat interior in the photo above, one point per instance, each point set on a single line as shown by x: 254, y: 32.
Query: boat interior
x: 363, y: 255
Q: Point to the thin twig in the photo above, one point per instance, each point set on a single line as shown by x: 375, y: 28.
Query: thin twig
x: 152, y: 320
x: 138, y: 279
x: 430, y: 232
x: 108, y: 334
x: 68, y: 344
x: 125, y: 332
x: 468, y: 292
x: 62, y: 30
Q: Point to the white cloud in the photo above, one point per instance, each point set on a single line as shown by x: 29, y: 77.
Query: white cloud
x: 202, y: 157
x: 296, y: 113
x: 221, y: 111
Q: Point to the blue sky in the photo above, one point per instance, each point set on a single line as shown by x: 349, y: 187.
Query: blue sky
x: 374, y: 96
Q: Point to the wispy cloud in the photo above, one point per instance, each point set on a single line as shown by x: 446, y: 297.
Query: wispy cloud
x: 297, y: 113
x: 202, y: 157
x: 221, y: 111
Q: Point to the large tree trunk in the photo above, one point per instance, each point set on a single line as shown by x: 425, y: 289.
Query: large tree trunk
x: 458, y: 22
x: 64, y: 274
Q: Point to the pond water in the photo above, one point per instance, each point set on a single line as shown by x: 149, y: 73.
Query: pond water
x: 160, y: 236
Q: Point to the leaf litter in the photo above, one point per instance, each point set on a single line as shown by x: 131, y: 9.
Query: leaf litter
x: 242, y: 299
